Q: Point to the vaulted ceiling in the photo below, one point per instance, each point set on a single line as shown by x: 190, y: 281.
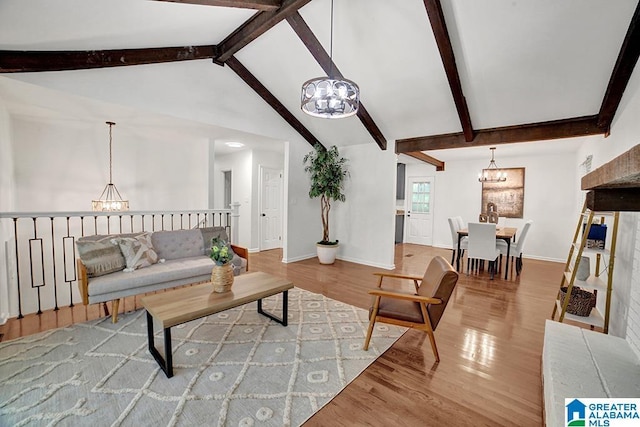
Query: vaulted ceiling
x: 433, y: 74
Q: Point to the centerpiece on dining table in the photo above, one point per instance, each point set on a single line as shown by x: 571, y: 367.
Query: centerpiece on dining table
x: 222, y: 273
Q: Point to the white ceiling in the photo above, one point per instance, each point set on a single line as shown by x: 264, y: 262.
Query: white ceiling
x: 520, y: 61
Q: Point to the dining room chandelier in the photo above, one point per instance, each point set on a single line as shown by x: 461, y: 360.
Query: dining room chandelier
x: 110, y: 200
x: 330, y: 97
x: 492, y: 173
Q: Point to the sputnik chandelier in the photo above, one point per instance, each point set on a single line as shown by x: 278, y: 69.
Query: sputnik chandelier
x: 330, y: 97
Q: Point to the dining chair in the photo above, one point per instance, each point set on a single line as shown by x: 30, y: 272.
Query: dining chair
x: 454, y: 226
x: 482, y: 245
x: 515, y: 253
x: 421, y: 310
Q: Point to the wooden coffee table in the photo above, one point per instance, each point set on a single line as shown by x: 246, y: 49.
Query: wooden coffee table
x: 186, y: 304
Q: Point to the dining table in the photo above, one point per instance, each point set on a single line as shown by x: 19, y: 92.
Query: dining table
x: 508, y: 234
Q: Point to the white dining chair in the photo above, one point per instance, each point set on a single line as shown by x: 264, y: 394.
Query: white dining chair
x: 515, y: 253
x: 464, y: 242
x: 482, y: 245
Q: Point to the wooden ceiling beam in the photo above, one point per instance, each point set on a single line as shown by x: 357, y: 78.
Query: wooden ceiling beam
x: 541, y: 131
x: 623, y: 171
x: 254, y: 27
x: 439, y: 27
x: 62, y: 60
x: 627, y: 59
x: 265, y: 94
x: 255, y: 4
x: 314, y: 46
x: 439, y: 164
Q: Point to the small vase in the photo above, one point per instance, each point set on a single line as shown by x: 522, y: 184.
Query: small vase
x: 584, y: 268
x: 222, y: 277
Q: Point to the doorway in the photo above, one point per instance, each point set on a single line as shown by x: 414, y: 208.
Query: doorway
x: 419, y: 214
x: 270, y: 208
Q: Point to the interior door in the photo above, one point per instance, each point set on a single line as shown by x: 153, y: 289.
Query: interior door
x: 419, y: 217
x: 270, y: 209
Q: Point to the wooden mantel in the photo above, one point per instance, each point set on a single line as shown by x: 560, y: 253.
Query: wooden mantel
x: 615, y: 186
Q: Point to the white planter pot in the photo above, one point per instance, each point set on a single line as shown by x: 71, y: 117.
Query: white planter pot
x: 327, y: 253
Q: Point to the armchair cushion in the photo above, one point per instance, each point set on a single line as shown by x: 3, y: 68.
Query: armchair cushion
x: 399, y: 309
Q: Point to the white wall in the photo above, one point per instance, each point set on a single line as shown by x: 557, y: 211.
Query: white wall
x: 365, y: 223
x: 6, y: 161
x: 549, y: 200
x: 303, y: 226
x: 6, y: 204
x: 63, y: 165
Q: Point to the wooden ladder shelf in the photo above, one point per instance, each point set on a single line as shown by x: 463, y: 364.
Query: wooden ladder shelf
x: 580, y: 247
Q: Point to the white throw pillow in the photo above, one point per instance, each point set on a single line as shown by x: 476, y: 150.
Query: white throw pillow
x: 137, y: 251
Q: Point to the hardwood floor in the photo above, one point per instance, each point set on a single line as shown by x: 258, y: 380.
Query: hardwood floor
x: 490, y: 342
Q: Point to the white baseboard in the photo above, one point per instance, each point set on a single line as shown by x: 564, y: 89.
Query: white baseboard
x: 542, y: 258
x: 443, y: 247
x: 298, y: 258
x: 371, y: 264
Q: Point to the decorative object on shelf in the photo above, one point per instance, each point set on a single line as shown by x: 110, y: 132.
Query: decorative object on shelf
x: 327, y: 170
x: 597, y: 235
x: 584, y: 268
x: 581, y: 302
x: 492, y: 173
x: 110, y: 200
x: 330, y: 97
x: 222, y: 272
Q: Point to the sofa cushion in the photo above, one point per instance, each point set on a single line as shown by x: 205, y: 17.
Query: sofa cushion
x: 168, y: 271
x: 177, y: 244
x: 137, y: 251
x: 100, y: 256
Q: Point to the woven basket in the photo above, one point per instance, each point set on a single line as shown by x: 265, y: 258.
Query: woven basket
x: 222, y: 277
x: 581, y: 301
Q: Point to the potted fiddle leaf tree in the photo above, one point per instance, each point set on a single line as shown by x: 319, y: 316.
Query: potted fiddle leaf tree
x: 327, y: 171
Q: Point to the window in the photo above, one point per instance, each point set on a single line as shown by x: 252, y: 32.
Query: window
x: 421, y: 194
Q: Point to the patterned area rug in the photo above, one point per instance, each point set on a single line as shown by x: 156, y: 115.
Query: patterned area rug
x: 235, y: 368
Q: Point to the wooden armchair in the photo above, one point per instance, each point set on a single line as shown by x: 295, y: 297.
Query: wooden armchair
x: 421, y: 310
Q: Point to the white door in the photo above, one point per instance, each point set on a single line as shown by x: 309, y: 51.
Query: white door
x: 419, y: 220
x: 270, y: 208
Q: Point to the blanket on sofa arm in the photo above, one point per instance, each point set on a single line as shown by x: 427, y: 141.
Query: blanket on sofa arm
x: 111, y: 267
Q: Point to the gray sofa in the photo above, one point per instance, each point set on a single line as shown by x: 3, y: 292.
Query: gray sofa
x: 111, y: 267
